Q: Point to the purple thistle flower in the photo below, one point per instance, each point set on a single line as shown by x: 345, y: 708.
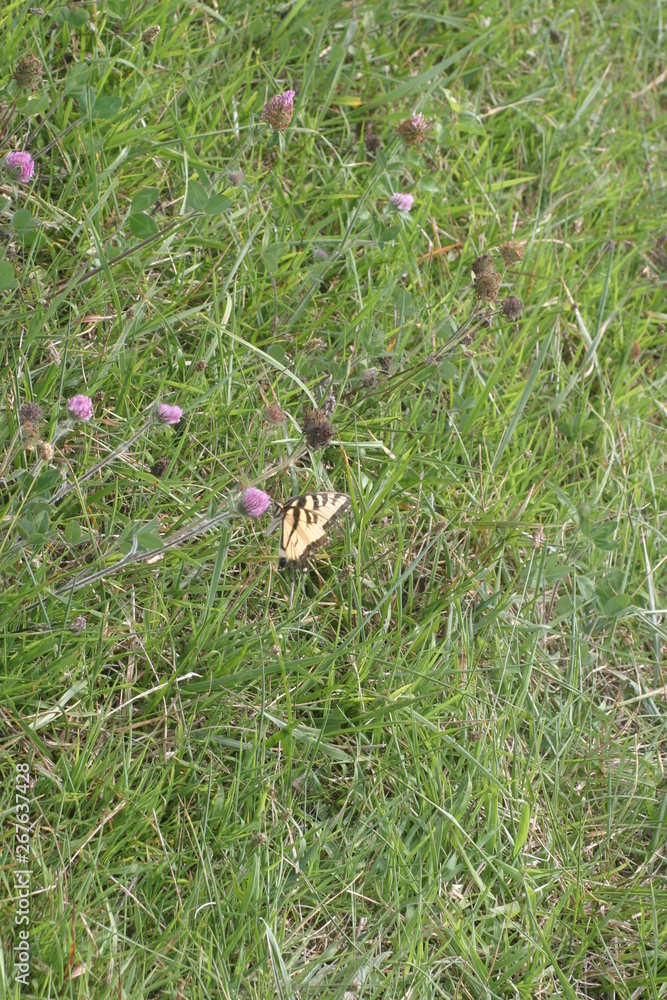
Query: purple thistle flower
x: 278, y: 112
x: 169, y: 414
x: 23, y: 162
x: 403, y: 202
x: 80, y: 407
x: 254, y: 502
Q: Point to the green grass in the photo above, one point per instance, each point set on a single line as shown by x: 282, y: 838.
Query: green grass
x: 433, y: 767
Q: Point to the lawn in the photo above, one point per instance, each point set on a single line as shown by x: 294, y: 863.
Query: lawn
x: 433, y: 764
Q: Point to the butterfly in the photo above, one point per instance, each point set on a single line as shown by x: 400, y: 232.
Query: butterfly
x: 305, y: 520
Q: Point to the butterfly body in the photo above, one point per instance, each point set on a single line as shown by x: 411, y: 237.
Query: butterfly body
x: 305, y: 520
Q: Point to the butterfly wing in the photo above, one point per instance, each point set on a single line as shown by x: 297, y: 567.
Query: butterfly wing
x: 305, y: 521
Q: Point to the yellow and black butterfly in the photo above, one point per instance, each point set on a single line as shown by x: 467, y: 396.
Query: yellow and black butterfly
x: 305, y: 520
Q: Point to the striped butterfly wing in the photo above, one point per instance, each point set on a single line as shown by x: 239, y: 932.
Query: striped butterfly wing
x: 305, y: 521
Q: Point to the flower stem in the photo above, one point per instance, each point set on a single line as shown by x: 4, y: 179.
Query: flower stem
x: 123, y: 446
x: 152, y: 555
x: 273, y: 470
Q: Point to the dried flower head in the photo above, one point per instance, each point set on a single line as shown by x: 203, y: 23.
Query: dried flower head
x: 512, y: 308
x: 254, y: 502
x: 30, y: 413
x: 98, y: 398
x: 403, y: 202
x: 80, y: 407
x: 511, y: 252
x: 23, y: 163
x: 487, y: 285
x: 45, y: 450
x: 160, y: 467
x: 150, y: 34
x: 412, y: 130
x: 482, y: 265
x: 78, y: 625
x: 29, y: 435
x: 317, y: 429
x: 538, y: 537
x: 274, y: 415
x: 635, y: 352
x: 236, y: 177
x: 167, y: 414
x: 372, y: 141
x: 28, y: 72
x: 320, y: 253
x: 200, y: 366
x: 278, y: 111
x: 371, y: 377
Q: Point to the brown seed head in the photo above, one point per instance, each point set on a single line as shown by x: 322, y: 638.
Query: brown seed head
x: 278, y: 111
x: 29, y: 435
x: 45, y: 451
x: 412, y: 130
x: 150, y: 34
x: 487, y: 285
x: 274, y: 415
x: 483, y: 264
x: 317, y: 429
x: 30, y: 413
x: 160, y: 467
x: 511, y: 252
x: 512, y: 308
x: 28, y: 72
x: 78, y: 625
x: 200, y: 366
